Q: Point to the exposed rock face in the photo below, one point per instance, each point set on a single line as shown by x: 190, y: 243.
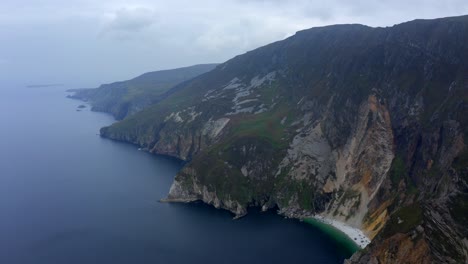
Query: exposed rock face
x: 363, y: 163
x: 195, y: 191
x: 363, y: 125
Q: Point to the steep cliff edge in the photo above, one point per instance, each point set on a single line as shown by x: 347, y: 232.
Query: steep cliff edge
x: 128, y: 97
x: 358, y: 124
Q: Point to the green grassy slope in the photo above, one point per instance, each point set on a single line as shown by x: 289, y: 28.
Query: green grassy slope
x: 127, y: 97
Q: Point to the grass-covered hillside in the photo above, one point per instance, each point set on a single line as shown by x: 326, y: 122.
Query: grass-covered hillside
x: 127, y: 97
x: 362, y: 125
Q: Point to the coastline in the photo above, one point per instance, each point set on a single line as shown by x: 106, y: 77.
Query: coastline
x: 351, y: 238
x: 353, y: 234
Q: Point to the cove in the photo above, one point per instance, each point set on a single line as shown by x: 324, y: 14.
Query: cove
x: 70, y: 196
x: 347, y: 245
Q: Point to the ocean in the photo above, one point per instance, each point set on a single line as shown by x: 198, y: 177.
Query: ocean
x: 69, y: 196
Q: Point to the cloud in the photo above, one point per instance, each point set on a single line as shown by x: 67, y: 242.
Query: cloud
x: 108, y: 40
x: 128, y: 21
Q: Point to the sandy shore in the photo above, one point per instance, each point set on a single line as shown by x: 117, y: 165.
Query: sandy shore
x: 354, y: 233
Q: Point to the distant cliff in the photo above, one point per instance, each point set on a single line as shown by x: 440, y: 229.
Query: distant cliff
x: 128, y: 97
x: 359, y: 124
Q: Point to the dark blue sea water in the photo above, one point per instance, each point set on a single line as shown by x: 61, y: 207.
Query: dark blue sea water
x: 69, y: 196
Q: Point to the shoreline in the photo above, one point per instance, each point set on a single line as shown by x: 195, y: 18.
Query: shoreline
x: 351, y: 234
x: 354, y: 234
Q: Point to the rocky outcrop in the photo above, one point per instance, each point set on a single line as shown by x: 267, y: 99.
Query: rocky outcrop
x: 362, y: 125
x: 189, y: 189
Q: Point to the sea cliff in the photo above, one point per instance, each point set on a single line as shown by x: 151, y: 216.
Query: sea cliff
x: 365, y: 126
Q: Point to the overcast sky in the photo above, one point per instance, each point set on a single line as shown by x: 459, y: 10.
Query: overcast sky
x: 83, y: 43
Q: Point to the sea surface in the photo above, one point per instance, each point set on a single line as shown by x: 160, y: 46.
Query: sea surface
x: 70, y: 196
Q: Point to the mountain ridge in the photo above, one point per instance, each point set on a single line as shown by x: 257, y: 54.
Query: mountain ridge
x: 124, y: 98
x: 359, y: 124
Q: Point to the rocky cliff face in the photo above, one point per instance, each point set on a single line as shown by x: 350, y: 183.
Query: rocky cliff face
x: 363, y: 125
x: 128, y: 97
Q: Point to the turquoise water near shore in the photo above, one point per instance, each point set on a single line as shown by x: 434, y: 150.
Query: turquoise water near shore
x: 70, y: 196
x: 345, y: 244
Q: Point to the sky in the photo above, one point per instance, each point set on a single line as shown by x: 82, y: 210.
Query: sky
x: 84, y: 43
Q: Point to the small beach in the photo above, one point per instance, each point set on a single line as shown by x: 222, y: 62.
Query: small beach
x: 351, y: 238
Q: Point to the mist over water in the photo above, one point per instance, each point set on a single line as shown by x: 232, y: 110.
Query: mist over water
x: 69, y: 196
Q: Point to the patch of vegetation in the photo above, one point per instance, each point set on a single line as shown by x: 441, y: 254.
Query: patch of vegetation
x: 219, y: 168
x: 185, y: 179
x: 397, y: 170
x: 239, y: 151
x: 304, y: 190
x: 404, y: 220
x: 269, y: 92
x: 226, y: 182
x: 265, y: 126
x: 306, y: 195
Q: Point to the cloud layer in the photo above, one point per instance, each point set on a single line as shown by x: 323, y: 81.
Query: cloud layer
x: 84, y: 42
